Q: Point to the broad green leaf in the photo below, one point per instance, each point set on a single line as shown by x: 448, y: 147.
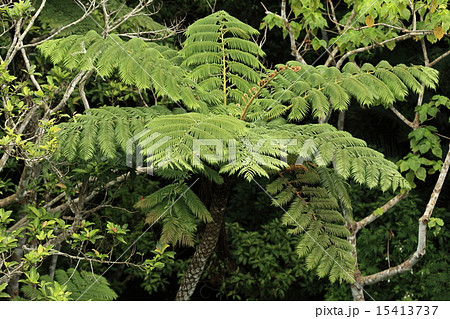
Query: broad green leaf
x: 421, y: 173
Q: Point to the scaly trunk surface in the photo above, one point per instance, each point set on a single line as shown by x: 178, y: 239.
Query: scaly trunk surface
x: 219, y: 196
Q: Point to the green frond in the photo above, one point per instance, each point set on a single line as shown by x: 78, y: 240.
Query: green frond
x: 221, y: 42
x: 139, y: 63
x: 428, y: 76
x: 208, y: 26
x: 87, y: 145
x: 393, y: 82
x: 103, y: 131
x: 244, y: 45
x: 315, y: 219
x: 370, y: 85
x: 299, y: 109
x: 319, y: 103
x: 378, y: 88
x: 179, y: 210
x: 203, y: 58
x: 182, y: 134
x: 201, y: 36
x: 338, y: 96
x: 411, y: 82
x: 359, y: 91
x: 207, y: 71
x: 276, y: 186
x: 195, y: 205
x: 244, y: 71
x: 300, y: 87
x: 351, y: 67
x: 336, y: 187
x: 79, y: 283
x: 82, y: 285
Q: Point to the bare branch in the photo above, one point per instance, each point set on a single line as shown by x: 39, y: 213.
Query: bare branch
x: 4, y: 202
x: 69, y: 91
x: 416, y: 121
x: 439, y: 58
x: 283, y: 17
x: 332, y: 55
x: 157, y: 34
x: 414, y: 17
x: 81, y: 89
x: 55, y: 32
x: 20, y: 223
x: 28, y: 66
x: 94, y: 193
x: 14, y: 42
x: 54, y: 200
x: 424, y: 51
x: 20, y: 37
x: 401, y: 116
x: 134, y: 12
x: 372, y: 217
x: 422, y: 234
x: 100, y: 261
x: 369, y: 47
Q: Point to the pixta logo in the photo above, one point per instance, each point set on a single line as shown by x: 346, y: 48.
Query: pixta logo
x: 149, y: 150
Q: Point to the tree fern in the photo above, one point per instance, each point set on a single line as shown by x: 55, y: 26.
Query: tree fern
x: 81, y: 280
x: 197, y: 143
x: 314, y: 215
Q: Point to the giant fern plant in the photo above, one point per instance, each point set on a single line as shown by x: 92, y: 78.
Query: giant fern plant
x: 218, y: 77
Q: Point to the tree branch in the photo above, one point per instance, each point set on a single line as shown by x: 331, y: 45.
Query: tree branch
x: 20, y: 37
x: 372, y: 217
x: 422, y: 234
x: 439, y: 58
x: 283, y: 17
x: 331, y: 57
x: 8, y: 200
x: 81, y: 89
x: 369, y: 47
x: 7, y: 151
x: 401, y: 116
x: 94, y: 193
x: 69, y: 91
x: 55, y: 32
x: 100, y: 261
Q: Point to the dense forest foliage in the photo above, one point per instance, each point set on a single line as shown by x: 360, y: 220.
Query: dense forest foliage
x: 224, y: 150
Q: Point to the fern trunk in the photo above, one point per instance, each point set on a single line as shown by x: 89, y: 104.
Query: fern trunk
x: 219, y: 197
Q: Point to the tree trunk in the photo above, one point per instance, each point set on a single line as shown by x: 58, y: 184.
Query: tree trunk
x: 219, y: 196
x: 357, y: 293
x: 341, y: 120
